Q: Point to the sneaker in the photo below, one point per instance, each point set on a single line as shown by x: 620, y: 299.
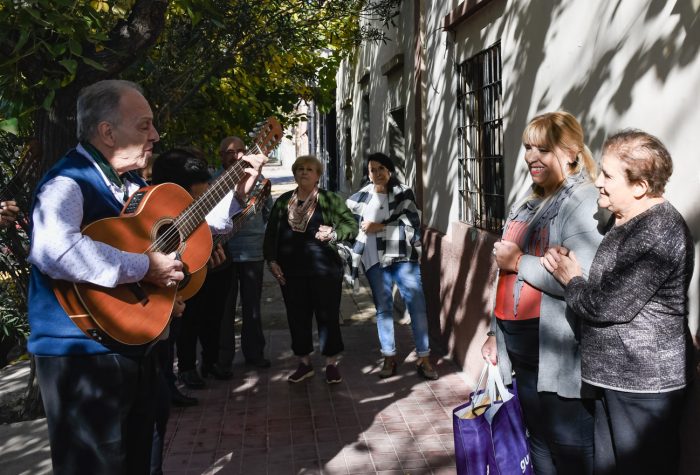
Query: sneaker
x: 302, y: 372
x: 332, y: 374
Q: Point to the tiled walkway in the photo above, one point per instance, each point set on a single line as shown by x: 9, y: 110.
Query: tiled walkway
x: 258, y: 423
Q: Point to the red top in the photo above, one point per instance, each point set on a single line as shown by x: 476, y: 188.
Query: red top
x: 530, y: 297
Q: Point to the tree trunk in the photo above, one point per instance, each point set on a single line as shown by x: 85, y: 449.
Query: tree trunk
x: 55, y: 129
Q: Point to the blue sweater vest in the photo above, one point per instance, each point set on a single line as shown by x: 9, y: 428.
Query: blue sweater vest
x: 52, y: 333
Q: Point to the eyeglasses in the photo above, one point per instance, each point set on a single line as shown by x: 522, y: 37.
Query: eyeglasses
x: 235, y: 152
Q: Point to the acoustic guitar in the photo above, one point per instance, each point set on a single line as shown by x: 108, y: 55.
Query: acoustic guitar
x: 162, y: 218
x: 255, y: 203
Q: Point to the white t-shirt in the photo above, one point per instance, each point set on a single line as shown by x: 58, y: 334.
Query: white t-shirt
x: 376, y: 211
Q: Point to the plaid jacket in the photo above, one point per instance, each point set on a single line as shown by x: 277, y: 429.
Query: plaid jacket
x: 400, y: 239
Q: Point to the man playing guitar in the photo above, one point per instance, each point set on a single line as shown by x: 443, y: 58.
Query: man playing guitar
x: 98, y: 401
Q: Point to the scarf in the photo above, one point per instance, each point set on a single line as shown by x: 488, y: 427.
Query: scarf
x: 299, y: 214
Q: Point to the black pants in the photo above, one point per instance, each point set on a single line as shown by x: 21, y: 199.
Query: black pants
x: 305, y: 297
x: 638, y: 433
x: 163, y: 352
x: 99, y: 411
x: 246, y: 276
x: 560, y: 429
x: 202, y: 319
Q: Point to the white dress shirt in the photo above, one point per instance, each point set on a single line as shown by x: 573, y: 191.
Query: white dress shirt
x: 61, y: 251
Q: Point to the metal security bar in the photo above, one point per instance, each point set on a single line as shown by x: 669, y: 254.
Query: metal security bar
x: 480, y: 132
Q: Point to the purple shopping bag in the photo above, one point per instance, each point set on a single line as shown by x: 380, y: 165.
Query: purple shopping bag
x: 490, y: 437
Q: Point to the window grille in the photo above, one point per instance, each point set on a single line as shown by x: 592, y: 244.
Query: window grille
x: 480, y: 132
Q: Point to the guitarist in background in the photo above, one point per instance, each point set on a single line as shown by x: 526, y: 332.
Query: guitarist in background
x: 247, y: 266
x: 99, y: 402
x: 8, y: 213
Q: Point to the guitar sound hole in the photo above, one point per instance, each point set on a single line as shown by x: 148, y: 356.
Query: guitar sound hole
x: 168, y: 238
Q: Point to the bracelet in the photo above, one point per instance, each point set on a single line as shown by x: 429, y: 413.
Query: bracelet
x: 334, y: 237
x: 490, y: 333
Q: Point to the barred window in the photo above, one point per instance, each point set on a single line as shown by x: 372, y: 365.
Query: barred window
x: 480, y: 132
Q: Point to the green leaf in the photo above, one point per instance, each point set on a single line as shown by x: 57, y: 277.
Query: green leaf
x: 70, y: 64
x: 10, y: 126
x: 48, y: 100
x: 75, y: 47
x: 94, y: 64
x: 23, y: 37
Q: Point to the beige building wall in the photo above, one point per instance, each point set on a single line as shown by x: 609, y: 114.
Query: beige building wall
x: 629, y: 63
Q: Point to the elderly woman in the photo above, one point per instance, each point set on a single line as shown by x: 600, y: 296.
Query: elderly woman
x: 299, y: 248
x: 388, y: 247
x: 633, y: 305
x: 533, y: 333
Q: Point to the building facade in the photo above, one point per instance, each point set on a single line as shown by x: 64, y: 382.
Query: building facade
x: 451, y: 91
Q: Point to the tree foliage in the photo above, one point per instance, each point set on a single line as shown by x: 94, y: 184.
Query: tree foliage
x: 210, y: 67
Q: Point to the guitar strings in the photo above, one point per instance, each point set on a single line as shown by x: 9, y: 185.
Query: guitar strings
x: 239, y: 219
x: 191, y: 216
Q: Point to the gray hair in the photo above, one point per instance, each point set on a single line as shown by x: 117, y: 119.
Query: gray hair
x: 100, y: 102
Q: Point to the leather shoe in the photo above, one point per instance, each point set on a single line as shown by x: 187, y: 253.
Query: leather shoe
x: 191, y: 379
x: 259, y: 363
x: 217, y: 372
x: 180, y: 400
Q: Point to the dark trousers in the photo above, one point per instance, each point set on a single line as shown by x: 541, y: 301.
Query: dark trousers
x: 164, y: 353
x: 638, y: 433
x: 560, y: 429
x: 202, y: 319
x: 305, y: 297
x: 99, y: 411
x: 246, y: 276
x: 162, y: 415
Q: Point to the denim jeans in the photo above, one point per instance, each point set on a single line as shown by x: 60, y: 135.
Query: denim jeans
x: 407, y: 277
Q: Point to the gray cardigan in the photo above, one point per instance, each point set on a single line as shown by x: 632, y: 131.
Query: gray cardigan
x: 578, y: 226
x: 634, y: 305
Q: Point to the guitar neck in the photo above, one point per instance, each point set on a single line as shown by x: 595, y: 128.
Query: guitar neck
x: 257, y: 200
x: 238, y: 222
x: 195, y: 214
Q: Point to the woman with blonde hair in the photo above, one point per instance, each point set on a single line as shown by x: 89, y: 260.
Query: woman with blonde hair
x: 533, y: 332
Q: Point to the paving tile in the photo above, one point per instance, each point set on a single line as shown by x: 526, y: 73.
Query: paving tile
x: 259, y: 423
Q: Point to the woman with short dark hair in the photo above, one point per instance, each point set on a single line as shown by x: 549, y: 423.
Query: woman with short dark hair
x: 388, y: 247
x: 633, y: 306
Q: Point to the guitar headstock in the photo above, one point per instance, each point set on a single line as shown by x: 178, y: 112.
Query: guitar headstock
x: 267, y: 136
